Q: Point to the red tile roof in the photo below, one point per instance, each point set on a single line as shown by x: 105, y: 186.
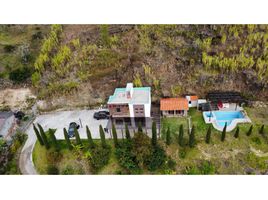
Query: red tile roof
x: 194, y: 98
x: 174, y: 104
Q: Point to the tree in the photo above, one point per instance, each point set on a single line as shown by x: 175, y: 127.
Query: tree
x: 89, y: 138
x: 39, y: 138
x: 181, y: 136
x: 53, y: 138
x: 223, y: 134
x: 77, y: 137
x: 154, y: 134
x: 68, y: 142
x: 208, y: 135
x: 261, y: 131
x: 114, y: 135
x: 139, y: 127
x: 102, y: 136
x: 192, y: 138
x: 43, y: 135
x: 127, y: 132
x: 168, y: 139
x: 250, y: 130
x: 236, y: 135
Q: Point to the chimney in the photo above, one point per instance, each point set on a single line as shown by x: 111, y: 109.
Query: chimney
x: 129, y: 90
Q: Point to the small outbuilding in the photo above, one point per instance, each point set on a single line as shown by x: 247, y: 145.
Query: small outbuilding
x: 192, y: 100
x: 171, y: 107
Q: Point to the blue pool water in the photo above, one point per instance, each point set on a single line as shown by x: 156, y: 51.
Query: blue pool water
x: 223, y: 117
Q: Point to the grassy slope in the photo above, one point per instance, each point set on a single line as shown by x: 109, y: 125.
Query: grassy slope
x: 229, y: 157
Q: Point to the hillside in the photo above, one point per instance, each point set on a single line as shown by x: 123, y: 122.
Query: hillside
x: 77, y: 65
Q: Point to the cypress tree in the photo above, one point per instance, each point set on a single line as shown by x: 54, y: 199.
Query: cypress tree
x: 208, y: 135
x: 261, y: 131
x: 139, y: 127
x: 77, y: 137
x: 39, y: 138
x: 68, y: 142
x: 250, y: 130
x: 223, y: 134
x: 236, y: 135
x: 53, y: 139
x: 102, y: 136
x: 154, y: 134
x: 168, y: 139
x: 181, y: 136
x: 114, y: 135
x: 43, y: 135
x: 89, y: 138
x: 192, y: 138
x: 127, y: 132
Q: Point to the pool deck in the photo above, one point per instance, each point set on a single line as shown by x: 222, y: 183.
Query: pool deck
x: 230, y: 127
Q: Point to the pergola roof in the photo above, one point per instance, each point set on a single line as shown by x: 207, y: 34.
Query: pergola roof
x: 225, y: 97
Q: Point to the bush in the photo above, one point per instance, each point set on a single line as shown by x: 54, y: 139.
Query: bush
x: 52, y: 170
x: 99, y: 158
x: 256, y: 140
x: 156, y: 159
x: 126, y: 158
x: 20, y: 74
x: 69, y: 170
x: 182, y: 153
x: 207, y: 168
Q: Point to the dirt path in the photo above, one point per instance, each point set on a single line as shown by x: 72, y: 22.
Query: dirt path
x: 258, y: 153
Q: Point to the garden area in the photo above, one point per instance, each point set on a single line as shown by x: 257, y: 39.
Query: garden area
x: 203, y: 150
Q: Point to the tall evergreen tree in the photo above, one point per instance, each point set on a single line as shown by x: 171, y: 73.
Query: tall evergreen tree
x: 154, y: 134
x: 53, y: 139
x: 192, y: 137
x: 67, y: 139
x: 102, y: 136
x: 39, y: 138
x: 114, y: 135
x: 168, y: 138
x: 127, y: 132
x: 208, y: 136
x: 139, y: 127
x: 261, y: 131
x: 181, y: 136
x: 77, y: 137
x: 89, y: 138
x: 223, y: 134
x: 250, y: 130
x: 236, y: 135
x: 43, y: 135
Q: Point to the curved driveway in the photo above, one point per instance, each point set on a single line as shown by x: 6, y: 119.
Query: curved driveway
x: 58, y: 120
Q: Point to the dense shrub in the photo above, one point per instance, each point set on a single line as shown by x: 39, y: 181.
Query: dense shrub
x: 99, y: 158
x: 156, y: 159
x: 52, y: 170
x: 126, y: 158
x: 20, y: 74
x: 69, y: 170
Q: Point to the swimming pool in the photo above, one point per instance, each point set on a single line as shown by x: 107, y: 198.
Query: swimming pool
x: 220, y: 118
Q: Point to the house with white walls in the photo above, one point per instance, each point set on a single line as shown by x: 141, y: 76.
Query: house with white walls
x: 130, y: 105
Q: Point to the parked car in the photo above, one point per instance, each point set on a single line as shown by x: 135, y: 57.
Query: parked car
x: 71, y: 128
x: 103, y: 114
x: 19, y: 115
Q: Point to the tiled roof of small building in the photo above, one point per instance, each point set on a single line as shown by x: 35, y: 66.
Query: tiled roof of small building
x: 174, y: 104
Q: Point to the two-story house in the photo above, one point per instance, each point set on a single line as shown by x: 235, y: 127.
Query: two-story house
x: 130, y: 105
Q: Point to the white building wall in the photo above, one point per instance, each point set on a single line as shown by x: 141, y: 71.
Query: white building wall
x: 193, y: 103
x: 131, y: 110
x: 147, y: 109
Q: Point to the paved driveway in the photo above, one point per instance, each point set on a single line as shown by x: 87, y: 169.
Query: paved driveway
x: 58, y: 120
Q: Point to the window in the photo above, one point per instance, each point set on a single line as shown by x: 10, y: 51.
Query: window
x: 118, y: 110
x: 190, y: 102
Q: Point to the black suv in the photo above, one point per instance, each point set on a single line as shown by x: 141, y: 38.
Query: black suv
x: 101, y: 115
x: 72, y: 125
